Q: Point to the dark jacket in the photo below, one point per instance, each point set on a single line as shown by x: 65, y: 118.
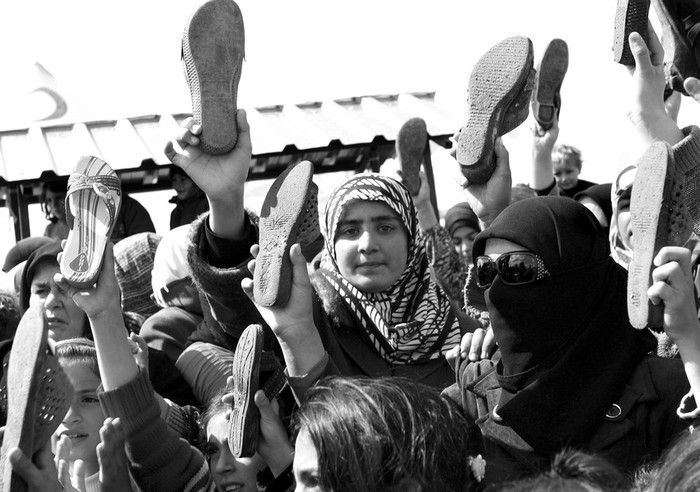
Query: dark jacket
x: 228, y: 311
x: 186, y: 211
x: 637, y: 428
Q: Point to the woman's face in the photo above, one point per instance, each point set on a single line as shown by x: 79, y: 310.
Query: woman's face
x: 463, y: 240
x: 84, y: 419
x: 63, y: 316
x: 229, y: 473
x: 183, y: 186
x: 306, y: 471
x: 624, y: 227
x: 371, y: 245
x: 56, y: 204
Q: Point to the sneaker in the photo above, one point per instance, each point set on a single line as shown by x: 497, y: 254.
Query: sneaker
x: 546, y: 100
x: 630, y: 16
x: 658, y: 217
x: 213, y: 48
x: 499, y: 93
x: 680, y: 26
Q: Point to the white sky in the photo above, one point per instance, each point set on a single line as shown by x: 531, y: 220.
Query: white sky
x: 119, y: 59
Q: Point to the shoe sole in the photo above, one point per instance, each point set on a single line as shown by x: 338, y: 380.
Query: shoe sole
x: 284, y: 217
x: 243, y: 423
x: 550, y: 75
x: 410, y: 146
x: 38, y: 394
x: 658, y: 218
x: 495, y: 83
x: 92, y: 223
x: 630, y: 16
x: 213, y: 48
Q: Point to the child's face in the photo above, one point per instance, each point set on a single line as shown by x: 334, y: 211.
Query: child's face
x: 566, y: 174
x: 183, y: 186
x: 84, y: 418
x: 229, y: 473
x: 56, y: 204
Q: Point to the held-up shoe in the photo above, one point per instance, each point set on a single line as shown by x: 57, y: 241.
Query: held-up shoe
x: 546, y: 101
x: 289, y: 215
x: 658, y: 218
x: 410, y: 147
x: 213, y: 48
x: 630, y: 16
x: 498, y: 101
x: 680, y: 26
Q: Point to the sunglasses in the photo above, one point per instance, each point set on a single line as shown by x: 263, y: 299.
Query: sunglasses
x: 514, y: 268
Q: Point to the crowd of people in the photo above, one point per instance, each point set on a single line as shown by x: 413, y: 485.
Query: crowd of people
x: 367, y: 343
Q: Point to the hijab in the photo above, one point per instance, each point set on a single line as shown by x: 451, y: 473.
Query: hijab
x: 413, y: 319
x: 567, y: 347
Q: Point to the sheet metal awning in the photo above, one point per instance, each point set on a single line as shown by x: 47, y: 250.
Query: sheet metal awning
x: 337, y: 135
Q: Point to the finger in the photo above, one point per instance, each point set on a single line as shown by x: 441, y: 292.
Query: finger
x: 139, y: 340
x: 300, y: 272
x: 692, y: 87
x: 488, y: 345
x: 247, y: 286
x: 244, y: 142
x: 255, y: 250
x: 262, y: 402
x: 477, y: 342
x: 465, y: 345
x: 79, y: 473
x: 24, y: 467
x: 63, y: 470
x: 658, y: 292
x: 640, y: 51
x: 655, y: 47
x: 682, y: 256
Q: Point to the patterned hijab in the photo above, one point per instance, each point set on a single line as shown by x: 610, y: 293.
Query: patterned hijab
x: 413, y: 319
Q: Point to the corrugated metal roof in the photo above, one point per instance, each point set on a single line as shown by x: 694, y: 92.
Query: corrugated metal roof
x: 334, y: 129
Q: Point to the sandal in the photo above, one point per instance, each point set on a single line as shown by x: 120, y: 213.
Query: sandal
x: 546, y: 100
x: 213, y: 48
x: 680, y: 26
x: 38, y: 394
x: 410, y: 146
x: 289, y: 215
x: 658, y: 218
x: 253, y: 369
x: 92, y: 205
x: 499, y: 95
x: 630, y: 16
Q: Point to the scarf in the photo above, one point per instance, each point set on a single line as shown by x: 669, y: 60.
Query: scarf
x: 412, y: 320
x: 567, y: 348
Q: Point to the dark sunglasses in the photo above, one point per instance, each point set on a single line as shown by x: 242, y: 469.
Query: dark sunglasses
x: 514, y: 268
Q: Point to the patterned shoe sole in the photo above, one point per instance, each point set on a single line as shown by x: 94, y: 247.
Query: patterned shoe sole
x: 495, y: 83
x: 630, y: 16
x: 289, y: 214
x: 243, y: 423
x: 550, y: 75
x: 658, y: 218
x: 38, y: 395
x: 410, y: 145
x: 213, y: 48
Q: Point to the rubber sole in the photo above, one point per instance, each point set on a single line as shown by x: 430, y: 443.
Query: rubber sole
x: 213, y: 48
x: 495, y: 83
x: 287, y: 211
x: 550, y: 75
x: 658, y: 218
x: 410, y: 146
x: 630, y: 16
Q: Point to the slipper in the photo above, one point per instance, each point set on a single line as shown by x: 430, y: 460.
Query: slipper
x: 630, y: 16
x: 680, y: 26
x: 92, y: 205
x: 498, y: 102
x: 289, y: 215
x: 658, y: 218
x: 213, y: 48
x: 38, y: 394
x: 546, y: 101
x: 410, y: 146
x: 253, y: 369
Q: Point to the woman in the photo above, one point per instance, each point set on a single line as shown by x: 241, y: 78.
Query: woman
x: 572, y: 370
x: 379, y: 314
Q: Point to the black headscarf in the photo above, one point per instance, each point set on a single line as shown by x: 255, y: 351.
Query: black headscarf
x: 567, y: 348
x: 48, y: 253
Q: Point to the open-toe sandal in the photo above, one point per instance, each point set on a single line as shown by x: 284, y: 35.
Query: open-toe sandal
x: 546, y: 99
x: 92, y: 205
